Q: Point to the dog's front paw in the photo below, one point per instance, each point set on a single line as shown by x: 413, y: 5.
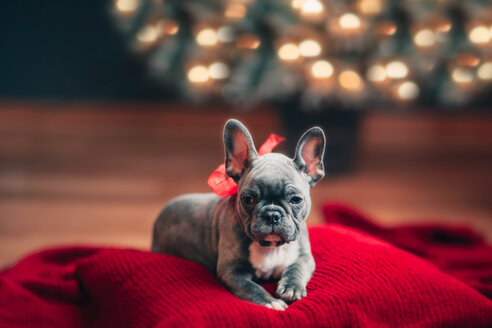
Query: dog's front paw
x: 277, y: 304
x: 291, y: 292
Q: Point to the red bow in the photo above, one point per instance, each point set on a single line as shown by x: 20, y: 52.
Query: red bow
x: 224, y: 186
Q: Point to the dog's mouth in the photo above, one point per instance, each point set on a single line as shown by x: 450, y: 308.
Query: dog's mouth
x: 272, y: 240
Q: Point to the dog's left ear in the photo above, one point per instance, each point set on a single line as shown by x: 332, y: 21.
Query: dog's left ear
x: 240, y: 150
x: 309, y: 154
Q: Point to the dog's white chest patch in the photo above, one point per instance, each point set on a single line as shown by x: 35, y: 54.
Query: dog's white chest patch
x: 270, y: 262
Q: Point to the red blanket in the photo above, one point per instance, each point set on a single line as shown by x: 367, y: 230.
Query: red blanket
x: 359, y: 281
x: 456, y: 250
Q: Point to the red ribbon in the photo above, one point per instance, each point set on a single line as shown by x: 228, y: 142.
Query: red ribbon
x: 224, y: 186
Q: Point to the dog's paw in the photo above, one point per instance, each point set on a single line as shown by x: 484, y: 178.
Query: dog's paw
x: 291, y: 292
x: 277, y: 304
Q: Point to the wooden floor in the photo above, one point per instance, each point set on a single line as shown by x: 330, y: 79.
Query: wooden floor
x: 99, y: 174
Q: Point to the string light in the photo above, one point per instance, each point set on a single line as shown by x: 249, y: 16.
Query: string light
x: 351, y: 81
x: 349, y: 21
x: 408, y: 90
x: 198, y: 74
x: 479, y: 34
x: 425, y: 38
x: 207, y: 37
x: 218, y: 71
x: 302, y: 51
x: 309, y: 48
x: 248, y: 41
x: 462, y: 75
x: 396, y: 70
x: 467, y: 59
x: 288, y: 52
x: 235, y: 11
x: 370, y: 7
x: 484, y: 72
x: 443, y: 25
x: 169, y: 27
x: 312, y: 10
x: 376, y: 73
x: 312, y: 7
x: 148, y: 34
x: 297, y: 4
x: 127, y: 6
x: 322, y: 69
x: 385, y: 28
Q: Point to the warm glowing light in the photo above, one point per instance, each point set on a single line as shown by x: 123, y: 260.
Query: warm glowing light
x: 169, y: 27
x: 468, y: 59
x: 322, y: 69
x: 127, y: 6
x: 386, y: 28
x: 396, y: 70
x: 248, y: 41
x: 444, y: 26
x: 198, y: 74
x: 484, y: 72
x: 312, y: 7
x: 309, y: 48
x: 207, y: 37
x: 148, y: 34
x: 462, y: 75
x: 225, y: 34
x: 351, y: 81
x: 297, y: 4
x: 288, y: 52
x: 376, y: 73
x: 235, y: 10
x: 218, y: 71
x: 349, y: 21
x: 370, y: 7
x: 425, y: 38
x: 479, y: 34
x: 408, y: 90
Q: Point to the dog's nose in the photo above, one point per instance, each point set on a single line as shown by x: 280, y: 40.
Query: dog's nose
x: 273, y: 217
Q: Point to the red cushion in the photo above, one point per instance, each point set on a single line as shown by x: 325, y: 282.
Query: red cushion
x: 456, y: 250
x: 359, y: 281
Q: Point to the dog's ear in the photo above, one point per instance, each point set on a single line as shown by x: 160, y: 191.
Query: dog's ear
x: 309, y: 154
x: 239, y: 149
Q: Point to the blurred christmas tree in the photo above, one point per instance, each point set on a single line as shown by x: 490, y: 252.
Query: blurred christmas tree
x: 429, y: 52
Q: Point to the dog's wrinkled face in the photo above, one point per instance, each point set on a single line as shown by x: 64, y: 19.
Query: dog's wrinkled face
x: 273, y: 190
x: 273, y: 200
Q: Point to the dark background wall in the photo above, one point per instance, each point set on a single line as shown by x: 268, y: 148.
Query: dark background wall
x: 62, y: 49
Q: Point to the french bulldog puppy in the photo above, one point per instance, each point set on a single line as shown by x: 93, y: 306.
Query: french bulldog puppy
x: 257, y: 234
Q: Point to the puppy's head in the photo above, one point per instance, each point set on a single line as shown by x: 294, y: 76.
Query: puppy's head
x: 273, y: 199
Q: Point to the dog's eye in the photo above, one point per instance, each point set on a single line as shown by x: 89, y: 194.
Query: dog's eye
x: 248, y: 200
x: 295, y: 200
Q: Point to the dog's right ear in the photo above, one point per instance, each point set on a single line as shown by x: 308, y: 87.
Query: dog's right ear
x: 309, y: 154
x: 239, y: 149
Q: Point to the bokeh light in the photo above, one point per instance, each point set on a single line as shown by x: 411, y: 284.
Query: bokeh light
x: 309, y: 48
x: 198, y: 74
x: 207, y: 37
x: 396, y: 70
x: 322, y: 69
x: 288, y: 52
x: 351, y: 80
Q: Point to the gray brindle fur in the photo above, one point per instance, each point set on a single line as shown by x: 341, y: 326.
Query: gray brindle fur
x: 257, y: 234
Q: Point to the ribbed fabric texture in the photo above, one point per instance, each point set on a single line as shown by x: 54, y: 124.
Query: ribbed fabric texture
x: 456, y: 250
x: 360, y: 281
